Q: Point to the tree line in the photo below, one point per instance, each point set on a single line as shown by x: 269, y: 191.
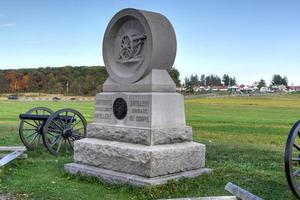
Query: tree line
x: 226, y: 80
x: 210, y: 80
x: 68, y: 80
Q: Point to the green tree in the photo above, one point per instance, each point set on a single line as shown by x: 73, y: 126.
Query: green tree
x: 174, y: 73
x: 226, y: 79
x: 202, y: 80
x: 232, y: 81
x: 261, y: 83
x: 279, y: 80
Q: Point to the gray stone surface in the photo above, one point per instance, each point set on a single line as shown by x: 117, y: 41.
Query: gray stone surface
x: 137, y: 135
x: 152, y: 37
x: 148, y: 161
x: 111, y: 176
x: 156, y: 81
x: 240, y: 192
x: 152, y: 109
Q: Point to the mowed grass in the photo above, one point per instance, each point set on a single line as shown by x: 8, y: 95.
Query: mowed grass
x: 244, y: 137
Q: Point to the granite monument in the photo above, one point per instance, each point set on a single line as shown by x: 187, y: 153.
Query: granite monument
x: 139, y: 135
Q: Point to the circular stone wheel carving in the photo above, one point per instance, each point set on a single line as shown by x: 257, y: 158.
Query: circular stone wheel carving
x: 120, y: 108
x: 135, y: 42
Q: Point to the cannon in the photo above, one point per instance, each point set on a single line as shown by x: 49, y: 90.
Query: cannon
x: 292, y: 159
x: 58, y: 130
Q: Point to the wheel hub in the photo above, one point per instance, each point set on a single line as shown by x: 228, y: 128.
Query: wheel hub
x: 39, y: 129
x: 67, y: 133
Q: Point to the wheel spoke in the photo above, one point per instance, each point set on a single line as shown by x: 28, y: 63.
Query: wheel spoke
x: 296, y: 146
x: 59, y: 145
x: 295, y: 173
x: 33, y: 139
x: 58, y: 138
x: 71, y: 121
x: 76, y: 137
x: 57, y: 125
x: 38, y: 140
x: 61, y: 121
x: 54, y: 130
x: 31, y: 134
x: 65, y: 144
x: 76, y: 123
x: 70, y: 143
x: 37, y: 124
x: 295, y: 159
x: 77, y: 130
x: 30, y: 124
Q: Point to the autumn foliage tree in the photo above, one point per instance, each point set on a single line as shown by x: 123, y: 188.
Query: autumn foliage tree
x: 68, y: 80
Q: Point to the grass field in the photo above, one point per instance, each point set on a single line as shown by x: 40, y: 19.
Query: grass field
x: 244, y: 137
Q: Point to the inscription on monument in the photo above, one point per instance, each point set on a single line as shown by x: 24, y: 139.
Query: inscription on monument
x: 139, y: 109
x: 103, y: 109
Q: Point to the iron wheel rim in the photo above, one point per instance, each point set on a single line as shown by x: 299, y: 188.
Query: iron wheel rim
x: 31, y: 126
x: 292, y: 148
x: 57, y: 137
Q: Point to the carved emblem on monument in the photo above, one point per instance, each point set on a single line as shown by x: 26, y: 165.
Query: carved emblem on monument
x: 120, y: 108
x: 131, y: 42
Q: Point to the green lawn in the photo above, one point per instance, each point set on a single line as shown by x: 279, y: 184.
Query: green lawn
x: 244, y: 137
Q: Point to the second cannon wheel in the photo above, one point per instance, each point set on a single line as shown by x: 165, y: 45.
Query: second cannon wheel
x: 61, y: 130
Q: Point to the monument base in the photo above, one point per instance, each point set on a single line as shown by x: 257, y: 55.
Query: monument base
x: 140, y: 135
x: 115, y: 177
x: 147, y: 161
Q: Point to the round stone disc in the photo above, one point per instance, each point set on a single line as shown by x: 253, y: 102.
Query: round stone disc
x: 135, y: 42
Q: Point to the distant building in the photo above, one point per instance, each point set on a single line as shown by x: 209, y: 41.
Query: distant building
x: 264, y: 89
x: 293, y: 88
x: 278, y: 88
x: 247, y: 88
x: 219, y: 88
x: 233, y: 88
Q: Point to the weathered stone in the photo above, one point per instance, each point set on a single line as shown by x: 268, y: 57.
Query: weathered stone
x: 137, y: 135
x: 139, y: 127
x: 156, y: 81
x: 240, y: 192
x: 148, y: 161
x: 115, y: 177
x: 155, y: 46
x: 152, y: 110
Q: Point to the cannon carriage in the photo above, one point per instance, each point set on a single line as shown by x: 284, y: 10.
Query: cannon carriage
x: 56, y: 130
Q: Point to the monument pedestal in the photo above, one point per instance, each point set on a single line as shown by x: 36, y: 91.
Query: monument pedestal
x: 136, y: 164
x: 115, y: 177
x: 139, y: 135
x: 149, y: 146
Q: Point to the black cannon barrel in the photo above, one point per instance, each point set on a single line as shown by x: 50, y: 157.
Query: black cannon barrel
x: 34, y: 117
x: 44, y: 117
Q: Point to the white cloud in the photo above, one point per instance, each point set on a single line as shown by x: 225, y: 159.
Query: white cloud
x: 7, y: 25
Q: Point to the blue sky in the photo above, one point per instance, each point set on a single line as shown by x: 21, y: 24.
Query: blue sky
x: 249, y: 39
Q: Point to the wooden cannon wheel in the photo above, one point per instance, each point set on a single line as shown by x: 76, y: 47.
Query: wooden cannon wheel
x: 61, y: 130
x: 292, y: 159
x: 30, y: 130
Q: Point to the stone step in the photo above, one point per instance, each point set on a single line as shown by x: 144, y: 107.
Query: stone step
x: 111, y: 176
x: 138, y: 135
x: 147, y: 161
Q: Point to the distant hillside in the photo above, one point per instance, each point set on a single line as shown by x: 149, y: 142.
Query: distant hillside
x: 83, y: 80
